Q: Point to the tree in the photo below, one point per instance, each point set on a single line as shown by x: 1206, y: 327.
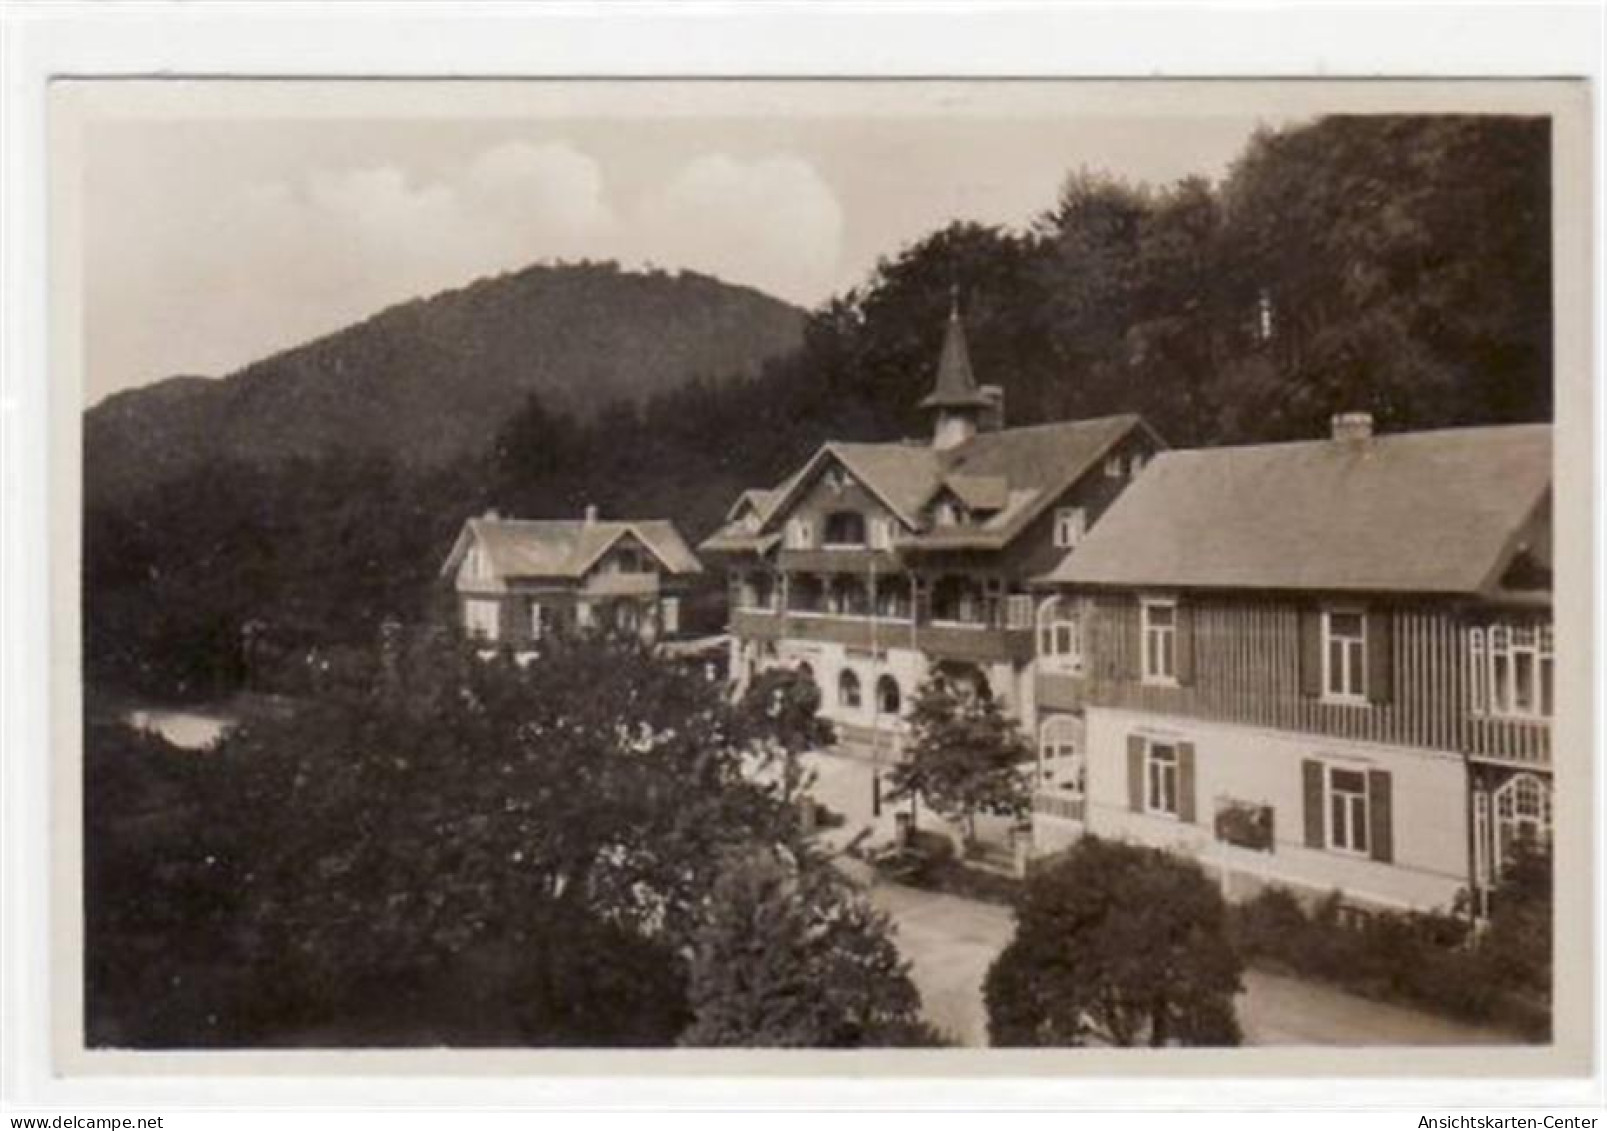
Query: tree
x: 964, y: 757
x: 1120, y: 945
x: 442, y: 849
x: 783, y: 704
x: 1517, y: 944
x: 791, y: 956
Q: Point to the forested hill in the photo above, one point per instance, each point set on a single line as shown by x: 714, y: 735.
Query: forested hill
x: 432, y: 379
x: 1397, y: 265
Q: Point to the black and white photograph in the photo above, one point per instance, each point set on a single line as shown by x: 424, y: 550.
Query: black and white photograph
x: 931, y: 568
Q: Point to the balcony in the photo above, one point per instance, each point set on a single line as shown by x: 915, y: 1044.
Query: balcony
x: 1060, y: 806
x: 838, y: 559
x: 757, y: 624
x: 621, y: 585
x: 977, y: 642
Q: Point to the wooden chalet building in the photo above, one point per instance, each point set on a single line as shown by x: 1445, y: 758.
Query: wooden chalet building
x: 1324, y: 664
x: 516, y: 580
x: 876, y: 563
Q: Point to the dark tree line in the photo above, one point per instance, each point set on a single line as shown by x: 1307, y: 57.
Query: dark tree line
x: 1399, y: 265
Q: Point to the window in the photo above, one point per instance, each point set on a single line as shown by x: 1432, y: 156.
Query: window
x: 882, y: 533
x: 540, y: 617
x: 805, y: 594
x: 1071, y: 523
x: 848, y: 689
x: 759, y: 592
x: 1059, y: 635
x: 947, y: 514
x: 845, y: 528
x: 1344, y: 656
x: 1160, y: 776
x: 800, y: 534
x: 893, y: 598
x: 848, y: 596
x: 1522, y: 814
x: 583, y: 614
x: 889, y: 700
x: 629, y: 560
x: 1513, y: 670
x: 1060, y: 754
x: 670, y: 614
x: 480, y: 619
x: 1018, y: 611
x: 956, y: 600
x: 1160, y: 641
x: 1347, y: 810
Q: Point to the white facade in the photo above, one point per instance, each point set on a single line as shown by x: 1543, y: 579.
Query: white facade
x: 1427, y: 826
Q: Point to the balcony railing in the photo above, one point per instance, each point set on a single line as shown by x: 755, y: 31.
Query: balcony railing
x: 1064, y: 807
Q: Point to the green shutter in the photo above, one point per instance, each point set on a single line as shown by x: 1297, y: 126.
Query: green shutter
x: 1380, y: 654
x: 1135, y: 773
x: 1380, y: 816
x: 1185, y: 782
x: 1311, y: 652
x: 1316, y: 824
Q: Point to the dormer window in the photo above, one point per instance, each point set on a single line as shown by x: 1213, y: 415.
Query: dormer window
x: 1071, y: 523
x: 948, y: 513
x: 835, y: 480
x: 1113, y: 467
x: 845, y: 528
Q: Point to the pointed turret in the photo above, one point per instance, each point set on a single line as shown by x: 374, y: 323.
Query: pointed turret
x: 956, y: 398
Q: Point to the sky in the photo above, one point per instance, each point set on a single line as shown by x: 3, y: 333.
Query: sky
x: 215, y: 240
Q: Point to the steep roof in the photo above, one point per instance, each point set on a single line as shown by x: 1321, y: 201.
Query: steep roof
x: 1014, y: 472
x: 1038, y: 462
x: 1424, y: 512
x: 565, y: 548
x: 956, y: 385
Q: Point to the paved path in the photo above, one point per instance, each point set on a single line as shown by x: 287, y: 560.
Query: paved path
x: 950, y: 942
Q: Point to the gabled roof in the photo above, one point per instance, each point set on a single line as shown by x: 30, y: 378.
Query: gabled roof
x: 1014, y: 473
x: 1425, y: 512
x: 1039, y: 463
x: 956, y: 385
x: 758, y: 499
x: 564, y: 548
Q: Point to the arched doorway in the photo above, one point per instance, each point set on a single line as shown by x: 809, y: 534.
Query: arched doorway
x: 848, y: 689
x: 889, y: 699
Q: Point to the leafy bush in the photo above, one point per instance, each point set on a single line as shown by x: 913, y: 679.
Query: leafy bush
x: 1434, y: 960
x: 1116, y: 944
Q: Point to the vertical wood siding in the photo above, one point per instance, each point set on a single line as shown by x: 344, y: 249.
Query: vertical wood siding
x: 1247, y: 669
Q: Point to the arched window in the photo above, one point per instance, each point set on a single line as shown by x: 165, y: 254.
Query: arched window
x: 889, y: 700
x: 848, y: 688
x: 1059, y: 635
x: 845, y: 528
x: 1522, y: 813
x: 1061, y: 761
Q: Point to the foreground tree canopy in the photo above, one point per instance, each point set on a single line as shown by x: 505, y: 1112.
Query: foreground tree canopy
x: 1116, y: 945
x: 435, y: 848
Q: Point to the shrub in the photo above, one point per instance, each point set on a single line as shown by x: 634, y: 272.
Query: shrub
x: 1116, y: 944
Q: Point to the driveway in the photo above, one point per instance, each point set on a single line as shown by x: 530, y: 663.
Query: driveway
x: 950, y: 942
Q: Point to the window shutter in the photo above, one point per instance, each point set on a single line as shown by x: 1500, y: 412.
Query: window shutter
x: 1185, y: 782
x: 1380, y: 816
x: 1133, y: 632
x: 1311, y: 652
x: 1316, y: 826
x: 1184, y: 644
x: 1380, y: 656
x: 1135, y: 773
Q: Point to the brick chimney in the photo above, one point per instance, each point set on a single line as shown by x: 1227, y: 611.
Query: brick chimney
x: 1352, y: 427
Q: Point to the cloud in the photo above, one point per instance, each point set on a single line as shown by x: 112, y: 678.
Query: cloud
x: 773, y: 223
x: 213, y: 270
